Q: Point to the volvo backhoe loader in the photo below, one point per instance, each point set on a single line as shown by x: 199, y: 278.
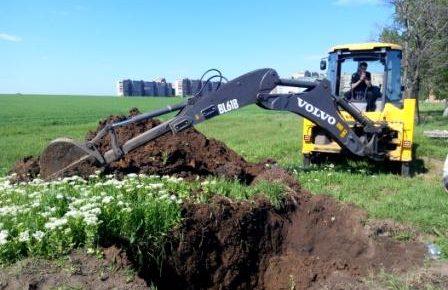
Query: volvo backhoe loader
x: 316, y: 103
x: 384, y: 64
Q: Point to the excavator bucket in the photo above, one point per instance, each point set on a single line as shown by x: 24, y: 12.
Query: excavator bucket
x: 64, y: 156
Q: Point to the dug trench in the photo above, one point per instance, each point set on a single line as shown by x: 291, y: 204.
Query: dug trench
x: 307, y: 241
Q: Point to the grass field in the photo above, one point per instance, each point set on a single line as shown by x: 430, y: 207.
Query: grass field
x: 27, y: 123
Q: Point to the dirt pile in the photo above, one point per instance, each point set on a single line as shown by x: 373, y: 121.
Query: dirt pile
x: 327, y: 244
x: 187, y: 154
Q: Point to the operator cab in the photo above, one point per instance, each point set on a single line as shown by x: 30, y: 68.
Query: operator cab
x: 383, y: 63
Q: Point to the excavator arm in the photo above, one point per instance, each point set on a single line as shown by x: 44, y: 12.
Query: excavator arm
x: 316, y: 103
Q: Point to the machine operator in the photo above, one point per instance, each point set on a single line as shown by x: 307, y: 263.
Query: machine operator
x: 361, y: 87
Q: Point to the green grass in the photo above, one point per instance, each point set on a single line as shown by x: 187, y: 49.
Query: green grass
x: 27, y: 123
x: 431, y: 119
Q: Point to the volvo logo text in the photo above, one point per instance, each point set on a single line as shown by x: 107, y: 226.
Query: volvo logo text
x: 316, y: 111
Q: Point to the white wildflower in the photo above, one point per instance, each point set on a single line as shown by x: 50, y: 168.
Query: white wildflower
x: 55, y: 223
x: 91, y: 219
x: 38, y: 235
x: 24, y: 236
x: 107, y: 199
x: 3, y: 237
x: 155, y: 185
x: 45, y: 214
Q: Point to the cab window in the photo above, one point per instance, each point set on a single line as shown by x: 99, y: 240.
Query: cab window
x: 350, y: 67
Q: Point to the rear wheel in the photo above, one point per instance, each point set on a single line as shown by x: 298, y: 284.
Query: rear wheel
x: 306, y: 160
x: 406, y: 169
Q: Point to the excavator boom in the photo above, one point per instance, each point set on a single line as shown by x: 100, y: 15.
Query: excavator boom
x: 316, y: 103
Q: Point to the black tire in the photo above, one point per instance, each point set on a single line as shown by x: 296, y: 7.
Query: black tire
x: 306, y: 160
x: 406, y: 169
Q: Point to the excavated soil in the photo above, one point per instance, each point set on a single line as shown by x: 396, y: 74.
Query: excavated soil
x: 306, y: 242
x: 186, y: 154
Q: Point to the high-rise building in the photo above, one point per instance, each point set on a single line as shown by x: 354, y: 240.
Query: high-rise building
x: 187, y: 87
x: 144, y: 88
x: 149, y: 88
x: 124, y: 88
x: 137, y: 88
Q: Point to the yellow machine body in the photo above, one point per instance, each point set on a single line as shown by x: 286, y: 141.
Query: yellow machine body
x: 399, y: 115
x: 400, y: 120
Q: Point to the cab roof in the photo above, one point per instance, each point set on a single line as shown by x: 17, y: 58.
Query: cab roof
x: 365, y: 46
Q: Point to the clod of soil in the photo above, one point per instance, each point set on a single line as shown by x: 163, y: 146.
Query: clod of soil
x: 187, y: 154
x: 26, y: 169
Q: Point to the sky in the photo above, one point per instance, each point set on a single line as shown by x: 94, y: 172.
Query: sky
x: 86, y: 46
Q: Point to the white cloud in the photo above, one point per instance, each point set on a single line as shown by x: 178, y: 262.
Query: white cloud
x: 9, y: 37
x: 356, y: 2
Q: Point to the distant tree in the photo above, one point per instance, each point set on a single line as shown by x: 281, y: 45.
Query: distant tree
x: 421, y: 27
x: 391, y: 34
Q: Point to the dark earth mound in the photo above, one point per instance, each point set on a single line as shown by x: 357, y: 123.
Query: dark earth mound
x: 186, y: 154
x: 326, y: 243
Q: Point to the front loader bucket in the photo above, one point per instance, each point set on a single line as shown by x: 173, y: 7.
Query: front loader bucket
x: 65, y: 157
